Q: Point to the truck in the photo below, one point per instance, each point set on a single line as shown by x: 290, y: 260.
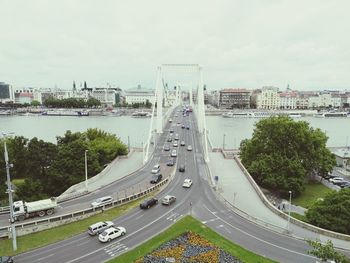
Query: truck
x: 23, y: 210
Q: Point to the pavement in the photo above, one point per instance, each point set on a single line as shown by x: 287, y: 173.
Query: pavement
x: 237, y: 190
x: 116, y: 170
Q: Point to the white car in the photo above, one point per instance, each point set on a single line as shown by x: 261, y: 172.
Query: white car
x: 187, y: 183
x: 168, y: 200
x: 175, y: 144
x: 102, y: 201
x: 111, y: 233
x: 189, y: 148
x: 182, y: 143
x: 173, y: 153
x: 156, y: 169
x: 336, y: 180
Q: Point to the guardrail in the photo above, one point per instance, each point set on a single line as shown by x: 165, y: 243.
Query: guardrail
x: 46, y: 223
x: 4, y: 210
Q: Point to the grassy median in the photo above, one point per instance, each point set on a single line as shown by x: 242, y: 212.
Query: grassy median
x: 43, y: 238
x: 188, y: 223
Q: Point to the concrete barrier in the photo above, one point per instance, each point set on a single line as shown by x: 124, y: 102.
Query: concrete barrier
x: 47, y: 223
x: 293, y: 220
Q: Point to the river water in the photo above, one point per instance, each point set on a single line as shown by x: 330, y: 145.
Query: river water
x: 235, y: 129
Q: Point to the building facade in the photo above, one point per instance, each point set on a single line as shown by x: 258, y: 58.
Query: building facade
x: 268, y: 99
x: 234, y: 98
x: 6, y: 93
x: 139, y: 95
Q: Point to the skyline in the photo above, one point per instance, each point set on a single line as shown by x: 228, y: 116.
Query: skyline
x: 238, y: 44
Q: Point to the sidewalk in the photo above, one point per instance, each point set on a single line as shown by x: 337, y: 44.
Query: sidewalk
x: 119, y: 168
x: 236, y: 189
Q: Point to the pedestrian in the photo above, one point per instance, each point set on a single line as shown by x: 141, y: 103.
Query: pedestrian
x: 283, y: 206
x: 274, y: 203
x: 279, y: 208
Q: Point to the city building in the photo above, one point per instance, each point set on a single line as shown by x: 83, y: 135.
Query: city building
x: 268, y: 98
x: 139, y: 95
x: 234, y: 98
x: 288, y: 100
x: 6, y: 93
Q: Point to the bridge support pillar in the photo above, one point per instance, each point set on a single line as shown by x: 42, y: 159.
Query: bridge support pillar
x: 159, y: 97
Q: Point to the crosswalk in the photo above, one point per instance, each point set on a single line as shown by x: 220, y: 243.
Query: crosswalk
x: 115, y: 249
x: 174, y: 217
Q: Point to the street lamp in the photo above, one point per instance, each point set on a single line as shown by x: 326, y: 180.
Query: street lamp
x: 290, y: 203
x: 86, y: 172
x: 10, y: 191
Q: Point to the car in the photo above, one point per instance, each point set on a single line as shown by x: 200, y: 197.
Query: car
x: 111, y: 233
x: 166, y: 147
x: 171, y: 162
x: 183, y: 126
x: 148, y: 203
x: 99, y: 227
x: 156, y: 169
x: 156, y: 178
x: 173, y: 153
x: 171, y: 131
x: 182, y: 168
x: 175, y: 144
x: 340, y: 183
x: 6, y: 259
x: 189, y: 148
x: 169, y: 139
x: 176, y: 115
x: 336, y: 180
x: 187, y: 127
x: 330, y: 176
x: 187, y: 183
x: 178, y: 124
x: 182, y: 143
x: 102, y: 201
x: 170, y: 120
x: 343, y: 184
x: 168, y: 200
x: 176, y: 137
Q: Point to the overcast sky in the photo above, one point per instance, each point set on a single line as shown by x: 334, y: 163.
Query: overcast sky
x: 239, y: 44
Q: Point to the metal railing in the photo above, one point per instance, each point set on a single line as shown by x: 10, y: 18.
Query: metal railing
x: 32, y: 226
x: 4, y: 210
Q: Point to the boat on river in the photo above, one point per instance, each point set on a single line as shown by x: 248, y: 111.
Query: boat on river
x: 65, y: 113
x: 141, y: 114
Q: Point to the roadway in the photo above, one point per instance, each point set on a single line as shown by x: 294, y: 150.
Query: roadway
x: 141, y: 225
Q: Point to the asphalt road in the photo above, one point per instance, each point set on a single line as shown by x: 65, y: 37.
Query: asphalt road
x: 199, y: 200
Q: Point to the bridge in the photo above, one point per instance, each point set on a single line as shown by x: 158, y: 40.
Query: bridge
x: 203, y: 200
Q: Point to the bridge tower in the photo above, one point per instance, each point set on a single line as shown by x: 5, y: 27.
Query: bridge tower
x: 160, y: 95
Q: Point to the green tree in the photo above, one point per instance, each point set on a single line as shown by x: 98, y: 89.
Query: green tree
x: 326, y: 252
x: 333, y: 212
x: 282, y: 154
x: 92, y: 102
x: 35, y: 103
x: 17, y: 148
x: 148, y: 104
x: 30, y: 190
x: 3, y: 186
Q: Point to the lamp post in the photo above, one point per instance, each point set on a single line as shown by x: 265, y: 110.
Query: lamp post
x: 10, y: 191
x: 290, y: 204
x: 223, y: 142
x: 86, y: 172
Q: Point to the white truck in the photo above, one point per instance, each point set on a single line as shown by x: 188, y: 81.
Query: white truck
x: 23, y: 210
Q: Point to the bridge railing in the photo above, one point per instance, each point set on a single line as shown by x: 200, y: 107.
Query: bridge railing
x: 4, y: 210
x: 46, y: 223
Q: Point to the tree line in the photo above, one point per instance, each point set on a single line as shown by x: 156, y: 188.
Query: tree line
x: 71, y: 103
x: 48, y: 169
x: 283, y: 155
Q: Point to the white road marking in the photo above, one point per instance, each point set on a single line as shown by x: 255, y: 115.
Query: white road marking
x: 82, y: 243
x: 259, y: 239
x: 45, y: 257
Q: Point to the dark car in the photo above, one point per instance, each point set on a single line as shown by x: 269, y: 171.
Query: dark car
x: 156, y: 178
x: 183, y: 126
x: 4, y: 259
x: 182, y: 168
x: 169, y: 139
x: 148, y: 203
x: 343, y: 184
x: 171, y: 130
x: 166, y: 147
x: 170, y: 162
x: 187, y: 127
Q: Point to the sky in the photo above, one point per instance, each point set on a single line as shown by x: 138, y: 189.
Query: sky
x: 239, y: 44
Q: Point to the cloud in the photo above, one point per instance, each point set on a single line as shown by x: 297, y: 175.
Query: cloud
x: 238, y: 43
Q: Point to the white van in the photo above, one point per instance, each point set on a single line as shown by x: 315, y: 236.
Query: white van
x: 99, y: 227
x: 102, y: 201
x: 173, y: 153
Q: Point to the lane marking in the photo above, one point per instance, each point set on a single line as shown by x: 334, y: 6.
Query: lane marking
x: 257, y: 238
x: 45, y: 257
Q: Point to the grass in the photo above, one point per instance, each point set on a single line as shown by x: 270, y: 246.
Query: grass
x: 188, y: 223
x: 43, y: 238
x: 312, y: 192
x: 299, y: 216
x: 18, y: 182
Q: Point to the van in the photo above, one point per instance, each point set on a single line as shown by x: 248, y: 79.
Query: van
x: 102, y: 201
x: 99, y: 227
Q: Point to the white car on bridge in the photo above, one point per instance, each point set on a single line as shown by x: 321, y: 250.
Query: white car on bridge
x: 187, y: 183
x: 111, y: 233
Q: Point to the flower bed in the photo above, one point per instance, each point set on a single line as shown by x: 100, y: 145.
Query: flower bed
x: 188, y: 248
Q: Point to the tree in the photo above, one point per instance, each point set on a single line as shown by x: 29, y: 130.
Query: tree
x: 333, y: 212
x: 148, y: 104
x: 92, y: 102
x: 35, y: 103
x: 326, y: 252
x: 17, y: 149
x: 282, y: 154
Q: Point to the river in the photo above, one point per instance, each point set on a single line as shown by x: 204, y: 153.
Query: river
x: 235, y: 129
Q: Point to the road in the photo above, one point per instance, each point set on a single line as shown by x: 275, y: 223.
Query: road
x: 141, y: 225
